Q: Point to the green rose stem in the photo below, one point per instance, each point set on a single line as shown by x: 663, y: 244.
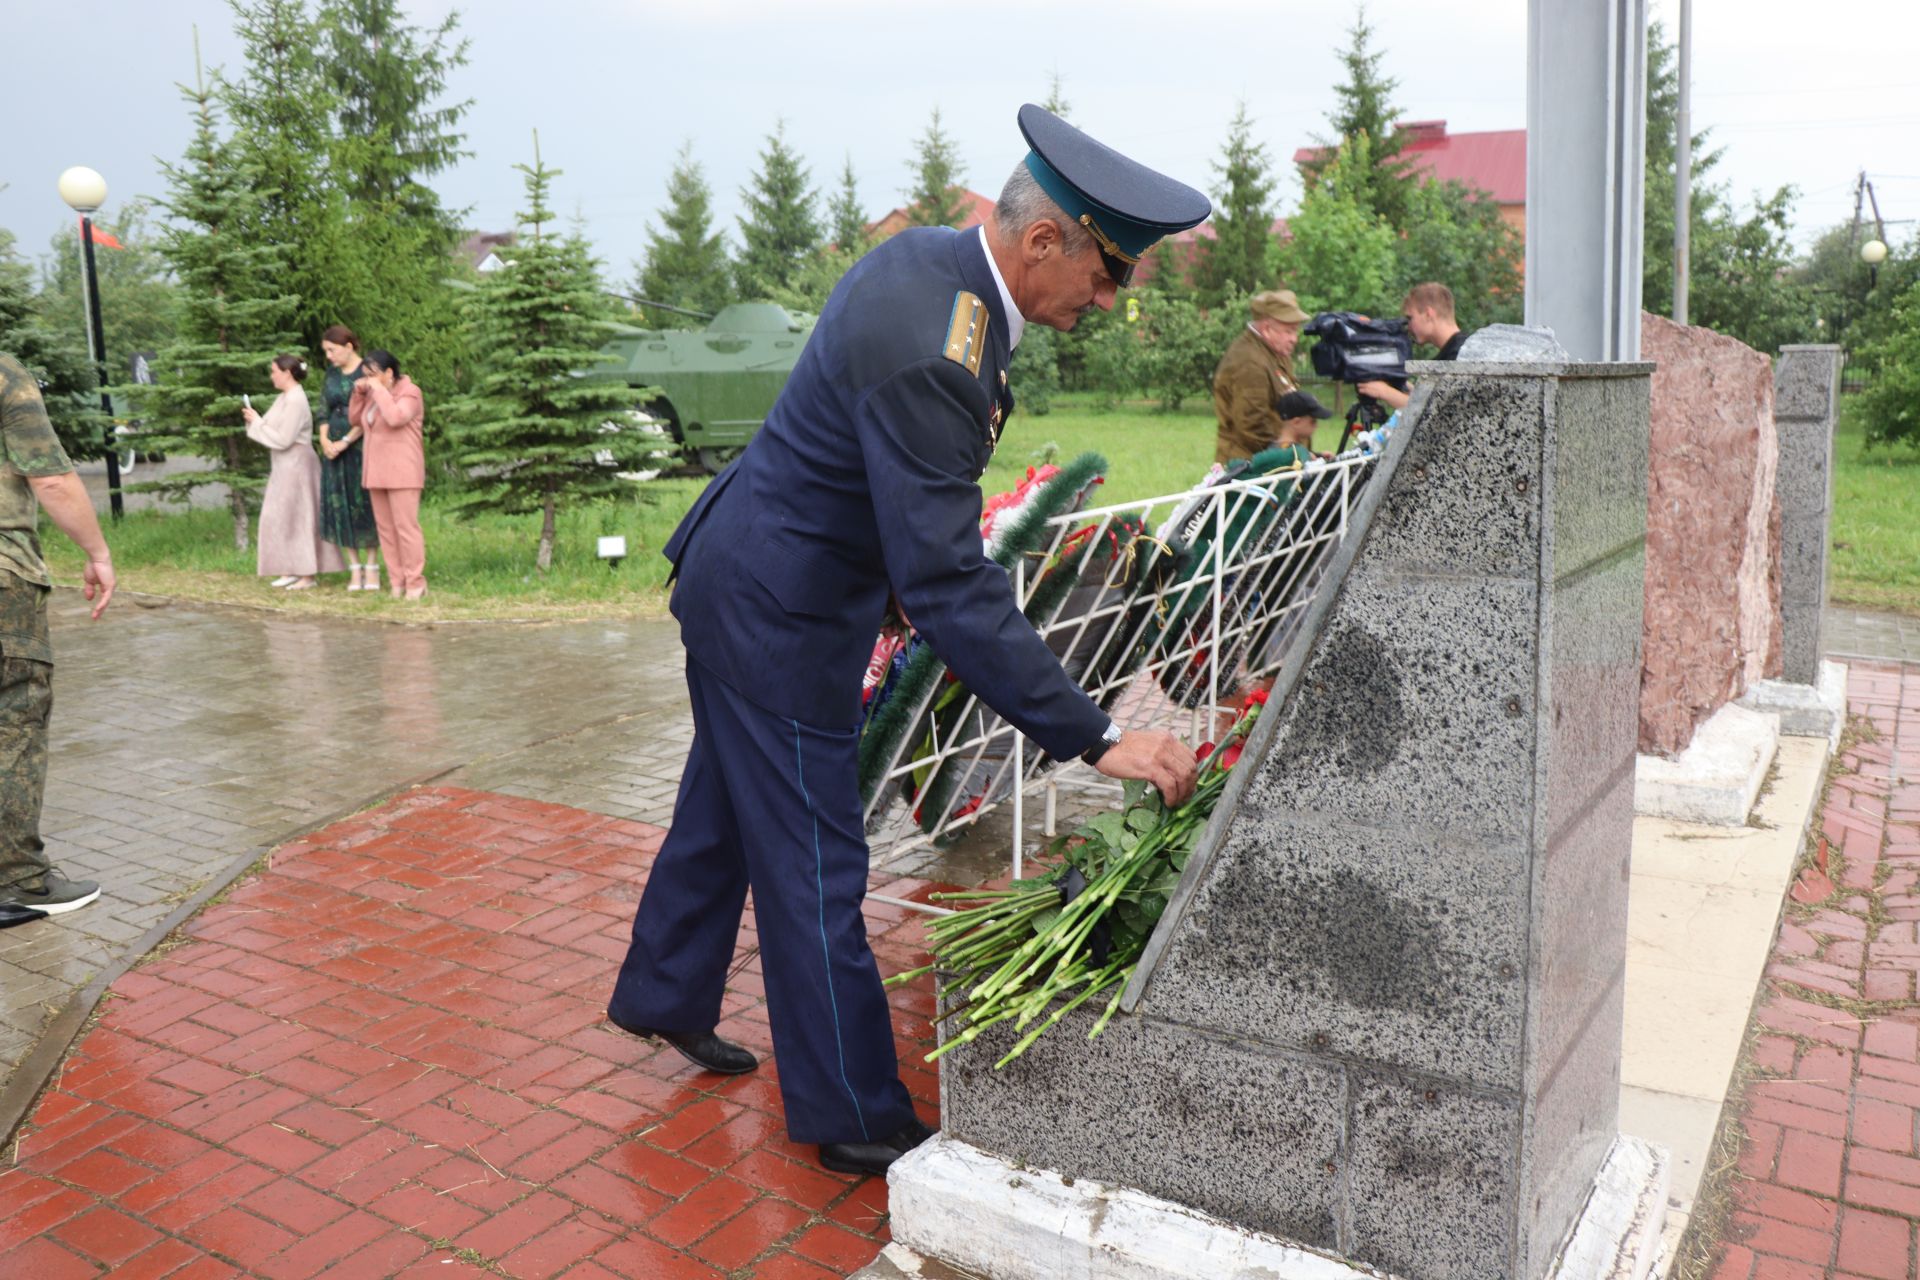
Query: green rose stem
x: 1020, y: 952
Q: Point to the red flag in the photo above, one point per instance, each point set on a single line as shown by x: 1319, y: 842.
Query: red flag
x: 106, y: 240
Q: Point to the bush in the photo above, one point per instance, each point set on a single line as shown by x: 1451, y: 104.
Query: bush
x: 1891, y: 402
x: 1035, y: 371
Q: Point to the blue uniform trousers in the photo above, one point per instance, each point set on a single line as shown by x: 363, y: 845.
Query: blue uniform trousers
x: 769, y: 803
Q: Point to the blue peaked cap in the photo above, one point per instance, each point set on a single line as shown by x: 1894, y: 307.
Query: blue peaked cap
x: 1126, y: 206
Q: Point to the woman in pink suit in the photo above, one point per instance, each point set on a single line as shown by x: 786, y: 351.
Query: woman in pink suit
x: 394, y: 470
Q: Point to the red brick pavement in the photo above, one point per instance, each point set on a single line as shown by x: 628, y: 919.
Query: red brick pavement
x: 386, y: 1055
x: 1831, y: 1163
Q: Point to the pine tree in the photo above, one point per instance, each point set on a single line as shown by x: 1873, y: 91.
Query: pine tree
x: 1365, y: 108
x: 532, y: 431
x: 1236, y: 258
x: 780, y: 230
x: 686, y: 262
x: 281, y: 109
x: 936, y: 199
x: 390, y: 76
x: 55, y: 355
x: 235, y: 313
x: 846, y: 217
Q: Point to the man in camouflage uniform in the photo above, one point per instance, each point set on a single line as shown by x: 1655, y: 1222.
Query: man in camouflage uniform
x: 1254, y: 373
x: 34, y: 472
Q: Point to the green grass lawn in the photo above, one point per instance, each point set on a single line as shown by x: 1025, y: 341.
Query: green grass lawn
x: 476, y: 569
x: 483, y: 568
x: 1876, y: 522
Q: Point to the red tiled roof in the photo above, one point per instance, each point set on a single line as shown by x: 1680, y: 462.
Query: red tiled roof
x: 977, y: 208
x: 1494, y: 160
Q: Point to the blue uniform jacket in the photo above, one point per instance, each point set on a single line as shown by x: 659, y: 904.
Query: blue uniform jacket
x: 864, y: 476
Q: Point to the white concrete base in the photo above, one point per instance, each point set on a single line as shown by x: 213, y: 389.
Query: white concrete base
x: 1618, y: 1236
x: 1805, y: 711
x: 1716, y: 779
x: 957, y: 1210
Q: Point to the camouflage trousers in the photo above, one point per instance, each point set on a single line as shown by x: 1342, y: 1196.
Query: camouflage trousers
x: 26, y: 703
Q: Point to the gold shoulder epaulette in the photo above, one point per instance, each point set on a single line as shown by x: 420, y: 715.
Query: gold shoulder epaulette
x: 966, y: 331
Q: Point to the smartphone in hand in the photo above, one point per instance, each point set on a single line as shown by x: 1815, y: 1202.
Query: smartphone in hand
x: 246, y: 400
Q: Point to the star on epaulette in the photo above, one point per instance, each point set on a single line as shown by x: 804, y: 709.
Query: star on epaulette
x: 966, y: 332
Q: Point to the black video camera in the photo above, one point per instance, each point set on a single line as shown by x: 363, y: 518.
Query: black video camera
x: 1354, y: 349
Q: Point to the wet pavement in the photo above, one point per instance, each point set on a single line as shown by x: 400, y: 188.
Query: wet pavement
x: 1823, y: 1142
x: 386, y: 1055
x: 189, y: 740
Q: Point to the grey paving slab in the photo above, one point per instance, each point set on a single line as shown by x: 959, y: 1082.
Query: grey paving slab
x: 1862, y: 633
x: 185, y: 737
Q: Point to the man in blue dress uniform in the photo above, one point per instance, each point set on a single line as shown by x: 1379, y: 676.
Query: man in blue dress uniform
x: 862, y: 482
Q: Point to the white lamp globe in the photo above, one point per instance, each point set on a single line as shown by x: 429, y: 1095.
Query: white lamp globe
x: 83, y: 188
x: 1873, y: 252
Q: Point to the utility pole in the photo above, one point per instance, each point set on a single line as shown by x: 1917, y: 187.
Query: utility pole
x: 1683, y: 170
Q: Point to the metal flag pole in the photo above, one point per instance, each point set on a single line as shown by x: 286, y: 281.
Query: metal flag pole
x: 1683, y: 169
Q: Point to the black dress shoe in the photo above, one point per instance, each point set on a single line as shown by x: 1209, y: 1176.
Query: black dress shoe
x: 703, y: 1049
x: 874, y: 1158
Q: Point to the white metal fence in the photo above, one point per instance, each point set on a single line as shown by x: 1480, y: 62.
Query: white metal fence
x: 1166, y: 611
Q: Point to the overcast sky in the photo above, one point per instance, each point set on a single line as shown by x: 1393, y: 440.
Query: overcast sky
x: 615, y: 86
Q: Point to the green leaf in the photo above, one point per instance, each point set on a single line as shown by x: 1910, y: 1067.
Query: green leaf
x: 1166, y: 882
x: 1152, y: 907
x: 1133, y: 789
x: 1142, y: 821
x: 1107, y: 828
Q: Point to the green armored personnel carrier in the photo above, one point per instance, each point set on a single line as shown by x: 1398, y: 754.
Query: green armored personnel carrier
x: 715, y: 383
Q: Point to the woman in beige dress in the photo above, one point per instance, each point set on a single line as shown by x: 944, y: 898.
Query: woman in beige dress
x: 289, y: 541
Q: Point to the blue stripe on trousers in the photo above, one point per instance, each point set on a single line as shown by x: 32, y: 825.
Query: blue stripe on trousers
x: 826, y: 951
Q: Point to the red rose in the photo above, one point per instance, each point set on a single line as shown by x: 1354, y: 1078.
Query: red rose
x: 1230, y: 756
x: 1204, y: 750
x: 1258, y: 698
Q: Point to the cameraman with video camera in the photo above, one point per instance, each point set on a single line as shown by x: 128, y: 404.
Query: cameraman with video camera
x: 1428, y: 311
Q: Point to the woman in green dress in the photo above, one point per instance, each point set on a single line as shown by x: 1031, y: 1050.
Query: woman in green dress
x: 346, y: 513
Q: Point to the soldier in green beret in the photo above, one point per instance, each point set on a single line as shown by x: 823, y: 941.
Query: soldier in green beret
x: 34, y: 473
x: 1254, y: 373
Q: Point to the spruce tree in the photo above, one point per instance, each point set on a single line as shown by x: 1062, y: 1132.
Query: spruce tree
x: 281, y: 109
x: 390, y: 77
x: 56, y: 355
x: 1056, y: 97
x: 846, y: 217
x: 1364, y: 107
x: 780, y: 230
x: 390, y: 249
x: 531, y: 432
x: 936, y: 198
x: 686, y: 263
x: 1236, y: 258
x: 235, y: 314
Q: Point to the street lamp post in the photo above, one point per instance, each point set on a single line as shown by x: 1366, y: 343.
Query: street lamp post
x: 85, y: 190
x: 1873, y: 253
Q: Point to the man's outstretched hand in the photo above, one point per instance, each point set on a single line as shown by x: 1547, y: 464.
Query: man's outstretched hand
x: 1159, y: 758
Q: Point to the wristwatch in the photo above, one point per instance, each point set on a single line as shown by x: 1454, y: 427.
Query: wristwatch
x: 1112, y: 735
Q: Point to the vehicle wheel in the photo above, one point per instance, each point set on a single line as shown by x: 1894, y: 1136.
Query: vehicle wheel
x: 127, y: 458
x: 715, y: 460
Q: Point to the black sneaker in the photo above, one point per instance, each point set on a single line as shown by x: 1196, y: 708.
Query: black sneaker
x: 55, y: 895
